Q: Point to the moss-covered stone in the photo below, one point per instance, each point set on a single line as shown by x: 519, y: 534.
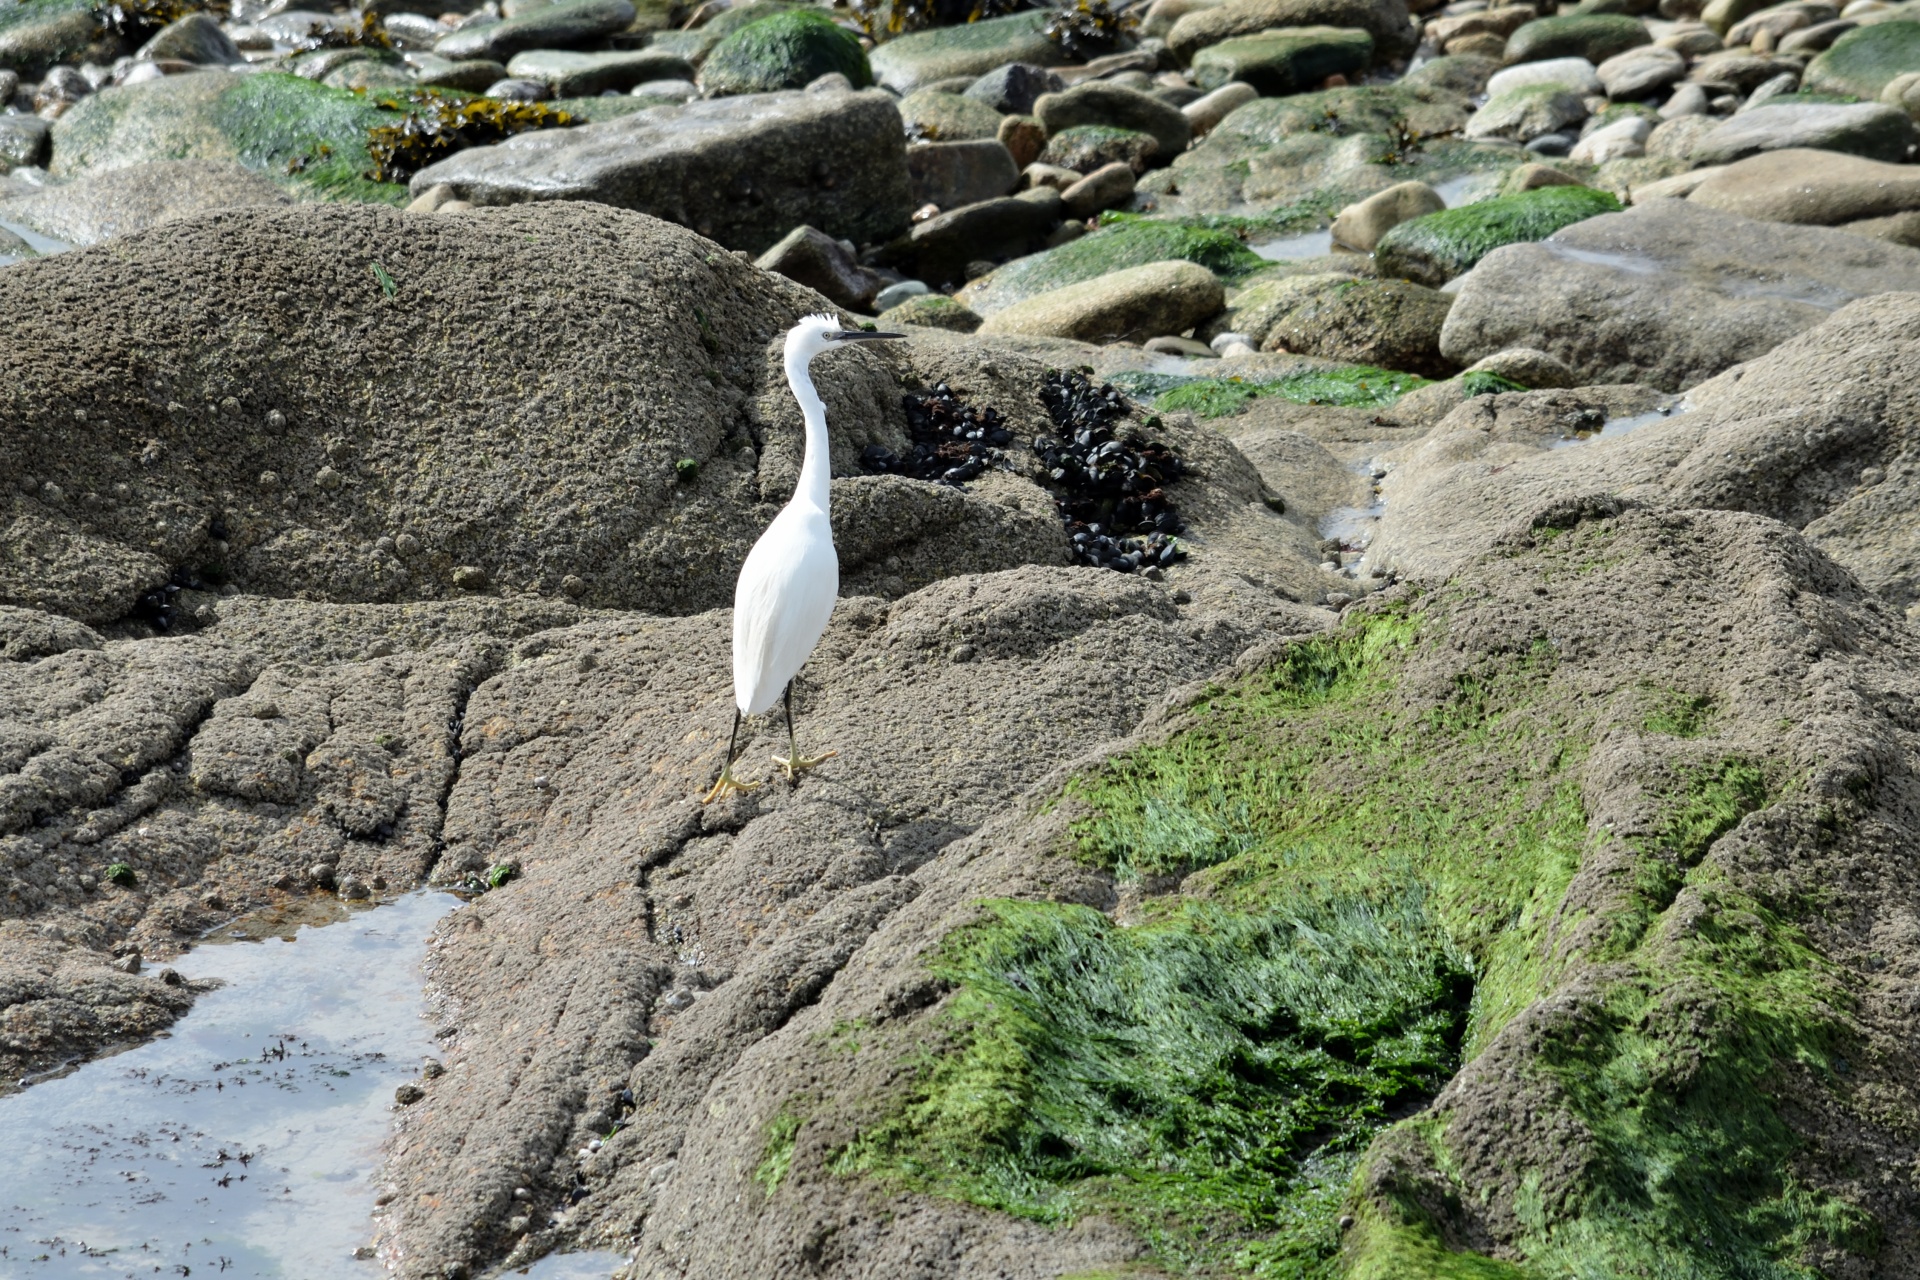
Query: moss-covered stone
x: 1122, y: 243
x: 1434, y: 249
x: 312, y: 138
x: 1593, y: 36
x: 1862, y: 62
x: 933, y: 115
x: 931, y: 311
x: 1086, y: 147
x: 784, y: 51
x: 1283, y: 61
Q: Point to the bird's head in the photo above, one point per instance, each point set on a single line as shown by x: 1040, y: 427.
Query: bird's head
x: 815, y: 334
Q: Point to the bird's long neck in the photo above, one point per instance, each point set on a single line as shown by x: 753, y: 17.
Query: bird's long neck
x: 814, y: 467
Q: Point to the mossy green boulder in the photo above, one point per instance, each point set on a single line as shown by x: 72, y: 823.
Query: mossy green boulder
x: 1432, y: 250
x: 309, y: 137
x: 1593, y: 36
x: 1863, y: 61
x: 1129, y: 242
x: 1288, y: 60
x: 785, y: 51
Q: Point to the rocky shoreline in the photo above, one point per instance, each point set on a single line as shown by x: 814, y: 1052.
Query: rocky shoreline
x: 1374, y: 679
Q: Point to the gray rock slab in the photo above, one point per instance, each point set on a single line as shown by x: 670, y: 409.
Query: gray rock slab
x: 115, y: 202
x: 560, y: 26
x: 1668, y: 293
x: 1871, y: 129
x: 586, y: 75
x: 743, y: 171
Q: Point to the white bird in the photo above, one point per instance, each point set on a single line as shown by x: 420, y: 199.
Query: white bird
x: 791, y: 578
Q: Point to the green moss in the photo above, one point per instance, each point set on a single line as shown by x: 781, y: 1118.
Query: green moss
x: 317, y: 137
x: 1861, y: 63
x: 1680, y: 715
x: 1130, y: 242
x: 786, y: 50
x: 121, y: 874
x: 1209, y: 1078
x: 776, y: 1156
x: 1355, y: 386
x: 1372, y: 818
x: 1481, y: 382
x: 1439, y: 246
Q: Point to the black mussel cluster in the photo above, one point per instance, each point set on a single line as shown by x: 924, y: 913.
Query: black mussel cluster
x: 1112, y: 495
x: 953, y: 442
x: 158, y: 608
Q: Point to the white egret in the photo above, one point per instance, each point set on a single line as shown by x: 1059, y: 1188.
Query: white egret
x: 792, y: 576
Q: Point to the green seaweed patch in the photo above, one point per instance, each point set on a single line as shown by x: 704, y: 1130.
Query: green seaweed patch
x: 1117, y: 245
x: 121, y: 874
x: 1678, y: 714
x: 1356, y: 386
x: 1435, y: 248
x: 286, y: 126
x: 1484, y: 382
x: 776, y: 1156
x: 1210, y: 1077
x: 432, y: 124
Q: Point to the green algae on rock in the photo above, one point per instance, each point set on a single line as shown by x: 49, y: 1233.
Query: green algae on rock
x: 784, y: 51
x: 1864, y: 61
x: 1436, y: 247
x: 1350, y: 386
x: 1127, y: 241
x: 305, y: 135
x: 1593, y: 36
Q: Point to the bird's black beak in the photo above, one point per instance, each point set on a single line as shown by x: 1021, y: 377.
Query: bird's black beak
x: 862, y: 335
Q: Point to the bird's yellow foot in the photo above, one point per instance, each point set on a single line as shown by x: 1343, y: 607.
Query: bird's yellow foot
x: 797, y: 764
x: 726, y: 784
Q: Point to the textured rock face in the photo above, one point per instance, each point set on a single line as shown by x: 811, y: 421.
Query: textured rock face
x: 98, y: 206
x: 741, y: 172
x: 234, y: 456
x: 1670, y: 293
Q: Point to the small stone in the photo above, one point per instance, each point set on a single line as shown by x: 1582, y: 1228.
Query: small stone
x: 432, y: 1069
x: 1183, y: 596
x: 171, y: 978
x: 574, y: 585
x: 354, y: 888
x: 269, y: 480
x: 407, y: 545
x: 128, y: 963
x: 363, y: 1251
x: 470, y: 577
x: 678, y: 1000
x: 321, y: 874
x: 408, y: 1094
x: 962, y: 653
x: 276, y: 420
x: 327, y: 478
x: 213, y: 902
x: 1346, y: 1222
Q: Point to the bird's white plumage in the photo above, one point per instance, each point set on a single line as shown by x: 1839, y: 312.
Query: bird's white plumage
x: 781, y: 604
x: 788, y: 585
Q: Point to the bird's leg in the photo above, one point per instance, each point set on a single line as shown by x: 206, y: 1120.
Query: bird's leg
x: 793, y: 762
x: 727, y: 782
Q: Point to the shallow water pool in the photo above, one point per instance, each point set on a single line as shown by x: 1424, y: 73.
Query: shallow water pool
x: 242, y: 1143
